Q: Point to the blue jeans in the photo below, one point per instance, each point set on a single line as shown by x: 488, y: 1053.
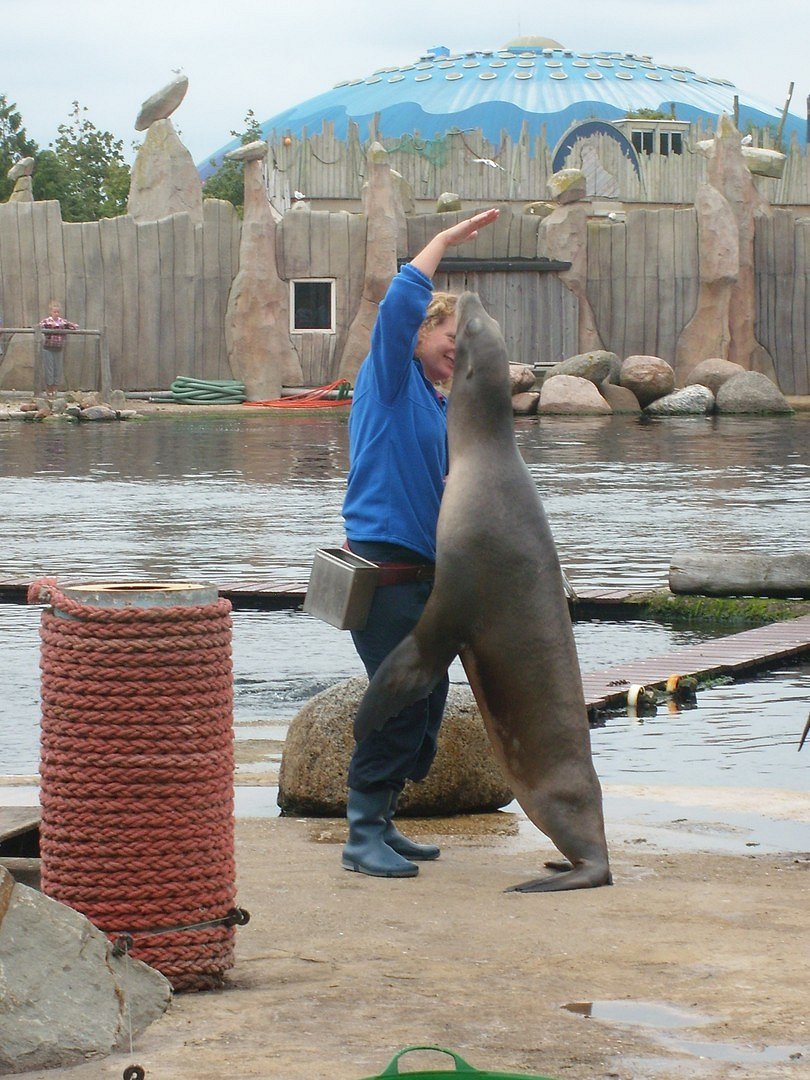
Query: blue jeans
x: 405, y: 747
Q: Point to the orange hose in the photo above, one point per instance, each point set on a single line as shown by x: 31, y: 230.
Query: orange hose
x: 309, y: 399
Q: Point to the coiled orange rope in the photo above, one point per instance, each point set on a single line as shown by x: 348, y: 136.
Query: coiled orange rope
x: 311, y: 399
x: 137, y: 777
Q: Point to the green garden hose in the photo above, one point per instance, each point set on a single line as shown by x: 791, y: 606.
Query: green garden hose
x: 188, y: 391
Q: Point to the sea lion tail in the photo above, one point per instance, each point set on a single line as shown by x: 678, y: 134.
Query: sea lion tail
x: 406, y: 675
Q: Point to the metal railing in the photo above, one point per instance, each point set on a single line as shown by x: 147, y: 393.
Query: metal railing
x: 103, y: 353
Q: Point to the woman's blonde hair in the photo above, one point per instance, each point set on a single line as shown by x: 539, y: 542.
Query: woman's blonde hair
x: 441, y: 307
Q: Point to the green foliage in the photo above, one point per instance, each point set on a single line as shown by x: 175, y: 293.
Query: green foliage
x: 49, y: 177
x: 228, y: 181
x: 649, y: 114
x: 95, y: 176
x: 14, y: 143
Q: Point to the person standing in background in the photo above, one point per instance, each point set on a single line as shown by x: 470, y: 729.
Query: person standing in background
x: 53, y: 346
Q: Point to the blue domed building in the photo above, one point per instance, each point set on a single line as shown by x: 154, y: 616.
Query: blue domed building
x: 532, y: 85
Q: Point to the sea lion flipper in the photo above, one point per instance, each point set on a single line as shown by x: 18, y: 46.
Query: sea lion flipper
x: 587, y: 875
x: 406, y: 675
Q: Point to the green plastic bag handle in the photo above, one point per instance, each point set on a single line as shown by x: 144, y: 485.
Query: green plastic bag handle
x: 392, y: 1069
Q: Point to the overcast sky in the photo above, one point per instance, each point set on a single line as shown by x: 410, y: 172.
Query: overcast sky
x: 267, y: 56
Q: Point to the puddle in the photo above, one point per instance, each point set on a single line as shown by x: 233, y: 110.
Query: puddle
x: 639, y: 1014
x: 663, y: 1019
x: 670, y: 826
x: 257, y: 801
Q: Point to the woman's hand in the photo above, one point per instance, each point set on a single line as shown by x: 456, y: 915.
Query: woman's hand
x: 467, y: 230
x: 431, y: 254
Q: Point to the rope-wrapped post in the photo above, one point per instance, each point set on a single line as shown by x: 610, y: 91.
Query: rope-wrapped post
x: 136, y: 769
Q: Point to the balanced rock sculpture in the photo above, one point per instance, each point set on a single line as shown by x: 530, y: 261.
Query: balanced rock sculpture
x: 164, y: 177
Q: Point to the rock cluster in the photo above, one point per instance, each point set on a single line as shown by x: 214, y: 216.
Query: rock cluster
x: 72, y: 406
x: 597, y: 383
x: 465, y: 777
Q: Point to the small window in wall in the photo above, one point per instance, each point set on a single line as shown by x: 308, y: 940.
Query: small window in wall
x: 312, y: 306
x: 642, y: 141
x: 671, y: 142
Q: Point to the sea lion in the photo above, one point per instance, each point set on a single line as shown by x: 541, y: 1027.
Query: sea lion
x: 499, y: 603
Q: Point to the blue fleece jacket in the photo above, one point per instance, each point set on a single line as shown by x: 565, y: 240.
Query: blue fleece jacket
x: 397, y: 430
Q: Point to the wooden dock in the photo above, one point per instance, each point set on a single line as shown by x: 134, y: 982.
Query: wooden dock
x: 747, y: 651
x: 286, y: 593
x: 744, y: 652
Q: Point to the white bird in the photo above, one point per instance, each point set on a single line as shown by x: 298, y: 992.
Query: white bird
x: 488, y: 161
x: 299, y: 195
x: 746, y: 140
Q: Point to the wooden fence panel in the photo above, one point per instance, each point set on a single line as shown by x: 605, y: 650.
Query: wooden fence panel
x: 217, y: 271
x: 182, y: 295
x: 124, y: 366
x: 781, y: 249
x: 113, y: 315
x: 10, y: 271
x: 149, y: 312
x: 32, y: 306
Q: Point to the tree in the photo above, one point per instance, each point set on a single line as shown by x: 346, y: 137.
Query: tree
x: 14, y: 143
x: 95, y: 176
x: 228, y: 181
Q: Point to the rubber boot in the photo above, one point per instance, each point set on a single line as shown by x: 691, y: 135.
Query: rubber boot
x: 366, y: 852
x: 401, y: 844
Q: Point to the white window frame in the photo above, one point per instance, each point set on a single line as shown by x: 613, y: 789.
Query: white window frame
x: 332, y: 328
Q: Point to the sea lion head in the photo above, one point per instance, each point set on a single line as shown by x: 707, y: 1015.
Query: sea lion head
x: 481, y: 362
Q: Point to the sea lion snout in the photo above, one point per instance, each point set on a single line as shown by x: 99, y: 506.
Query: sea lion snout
x: 471, y: 315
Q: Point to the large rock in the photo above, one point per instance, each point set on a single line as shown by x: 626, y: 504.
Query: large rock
x: 23, y: 167
x: 649, y: 377
x: 596, y: 366
x: 751, y: 392
x: 691, y: 401
x: 161, y: 105
x: 521, y: 378
x: 23, y: 190
x: 448, y: 203
x: 525, y: 404
x: 570, y: 395
x: 567, y: 185
x: 619, y: 398
x: 712, y: 373
x: 64, y: 997
x: 465, y: 777
x: 164, y: 177
x: 252, y: 151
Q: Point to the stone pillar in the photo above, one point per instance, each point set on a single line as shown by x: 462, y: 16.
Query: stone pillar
x: 383, y: 206
x: 563, y: 235
x: 727, y: 208
x: 729, y: 173
x: 257, y: 319
x: 708, y: 334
